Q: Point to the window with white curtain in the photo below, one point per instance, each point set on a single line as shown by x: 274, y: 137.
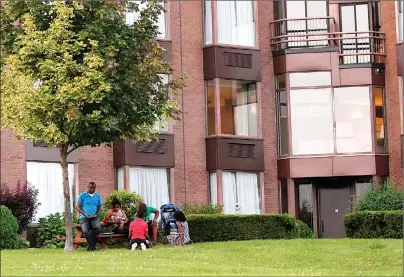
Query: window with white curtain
x: 213, y: 188
x: 132, y: 17
x: 208, y: 22
x: 120, y: 178
x: 400, y: 15
x: 47, y: 178
x: 235, y: 23
x: 238, y: 108
x: 163, y: 125
x: 241, y: 193
x: 152, y: 184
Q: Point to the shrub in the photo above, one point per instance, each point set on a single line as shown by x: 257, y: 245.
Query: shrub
x: 22, y: 201
x: 374, y: 224
x: 205, y: 228
x: 200, y: 208
x: 129, y: 200
x: 382, y: 198
x: 304, y: 232
x: 22, y: 243
x: 50, y: 227
x: 8, y: 229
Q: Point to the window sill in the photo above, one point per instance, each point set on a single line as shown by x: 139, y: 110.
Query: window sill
x: 308, y: 156
x: 241, y: 47
x: 234, y: 137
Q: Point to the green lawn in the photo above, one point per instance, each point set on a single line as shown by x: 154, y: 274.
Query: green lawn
x: 268, y: 258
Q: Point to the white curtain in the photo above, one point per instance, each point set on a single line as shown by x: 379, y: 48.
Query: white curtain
x: 235, y: 23
x: 245, y: 116
x: 240, y: 193
x: 151, y: 183
x: 132, y: 17
x: 213, y: 188
x: 208, y: 22
x: 120, y: 179
x: 47, y: 178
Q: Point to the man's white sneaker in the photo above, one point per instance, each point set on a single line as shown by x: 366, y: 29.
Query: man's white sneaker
x: 143, y: 246
x: 134, y: 246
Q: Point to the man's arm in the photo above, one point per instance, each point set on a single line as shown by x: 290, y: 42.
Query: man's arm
x: 80, y: 210
x: 98, y: 212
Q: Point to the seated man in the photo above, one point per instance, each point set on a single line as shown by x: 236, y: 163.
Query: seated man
x: 89, y: 207
x: 152, y: 224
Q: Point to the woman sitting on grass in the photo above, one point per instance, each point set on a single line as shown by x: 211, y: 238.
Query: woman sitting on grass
x: 182, y: 236
x: 117, y: 218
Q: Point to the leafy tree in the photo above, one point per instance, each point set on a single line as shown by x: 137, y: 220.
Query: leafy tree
x: 75, y: 74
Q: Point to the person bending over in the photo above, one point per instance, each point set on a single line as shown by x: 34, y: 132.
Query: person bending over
x: 138, y: 230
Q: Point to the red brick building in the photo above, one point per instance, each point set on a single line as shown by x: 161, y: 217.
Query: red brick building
x: 291, y: 106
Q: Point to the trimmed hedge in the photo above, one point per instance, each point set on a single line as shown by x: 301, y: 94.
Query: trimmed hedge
x: 374, y: 224
x: 205, y: 228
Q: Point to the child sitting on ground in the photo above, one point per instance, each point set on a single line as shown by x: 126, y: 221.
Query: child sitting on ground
x: 138, y: 232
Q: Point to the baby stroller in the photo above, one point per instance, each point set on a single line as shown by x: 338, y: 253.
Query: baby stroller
x: 168, y: 222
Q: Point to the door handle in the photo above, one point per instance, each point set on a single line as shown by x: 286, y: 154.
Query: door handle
x: 322, y: 226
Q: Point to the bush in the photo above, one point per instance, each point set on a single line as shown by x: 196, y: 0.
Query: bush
x: 304, y: 232
x: 200, y: 208
x: 374, y: 224
x: 204, y: 228
x: 129, y: 200
x: 50, y: 227
x: 382, y: 198
x: 22, y: 243
x: 22, y: 201
x: 8, y: 229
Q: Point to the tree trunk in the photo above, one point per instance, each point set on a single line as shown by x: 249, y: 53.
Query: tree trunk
x: 66, y: 192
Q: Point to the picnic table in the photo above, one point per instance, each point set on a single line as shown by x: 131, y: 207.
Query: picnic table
x: 103, y: 238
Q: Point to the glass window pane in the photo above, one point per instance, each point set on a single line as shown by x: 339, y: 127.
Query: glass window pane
x: 283, y: 131
x: 361, y: 188
x: 235, y: 23
x: 352, y: 118
x: 295, y: 9
x: 162, y: 125
x: 241, y: 193
x: 213, y: 188
x: 305, y: 204
x: 380, y: 121
x: 283, y: 196
x: 280, y: 81
x: 211, y: 103
x: 238, y: 108
x: 312, y: 121
x: 316, y: 8
x: 310, y: 79
x: 401, y: 20
x: 132, y: 17
x: 208, y: 22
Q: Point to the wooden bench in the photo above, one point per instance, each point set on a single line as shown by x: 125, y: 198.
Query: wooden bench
x: 103, y: 238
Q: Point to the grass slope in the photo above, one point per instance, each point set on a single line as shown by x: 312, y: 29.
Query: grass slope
x: 270, y: 258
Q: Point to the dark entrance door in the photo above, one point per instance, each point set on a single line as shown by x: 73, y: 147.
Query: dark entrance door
x: 334, y: 203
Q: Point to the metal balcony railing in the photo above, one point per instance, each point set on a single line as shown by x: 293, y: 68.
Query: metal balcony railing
x: 354, y: 47
x: 302, y: 32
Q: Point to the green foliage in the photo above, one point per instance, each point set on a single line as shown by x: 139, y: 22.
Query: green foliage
x: 8, y: 229
x: 205, y: 228
x: 50, y: 227
x: 381, y: 198
x: 200, y: 208
x: 22, y: 243
x: 374, y: 224
x: 129, y: 200
x: 76, y: 74
x: 304, y: 232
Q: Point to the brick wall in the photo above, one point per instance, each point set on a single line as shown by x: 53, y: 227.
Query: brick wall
x: 265, y: 15
x: 96, y: 164
x: 194, y: 188
x: 388, y: 18
x: 13, y: 166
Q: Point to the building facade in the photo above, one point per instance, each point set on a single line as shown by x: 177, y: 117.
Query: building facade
x: 291, y: 107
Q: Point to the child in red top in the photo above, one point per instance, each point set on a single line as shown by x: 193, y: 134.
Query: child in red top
x: 138, y: 232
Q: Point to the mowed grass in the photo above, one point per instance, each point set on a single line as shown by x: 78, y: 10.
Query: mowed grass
x: 343, y: 257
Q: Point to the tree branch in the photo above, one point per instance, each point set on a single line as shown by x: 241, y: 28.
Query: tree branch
x: 71, y: 150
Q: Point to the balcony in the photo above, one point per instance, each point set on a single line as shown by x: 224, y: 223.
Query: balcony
x: 320, y: 32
